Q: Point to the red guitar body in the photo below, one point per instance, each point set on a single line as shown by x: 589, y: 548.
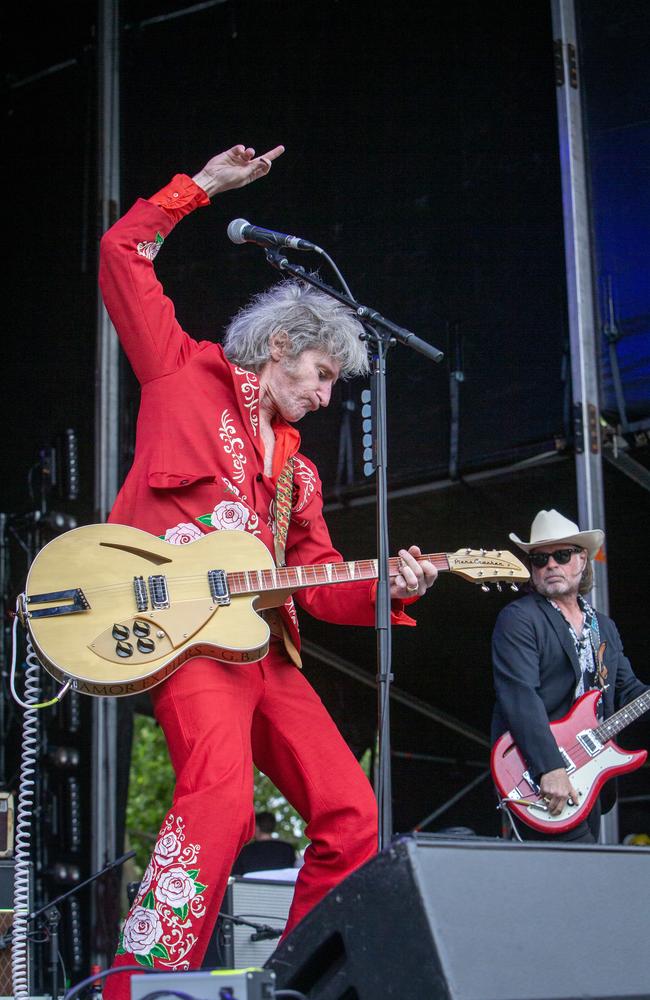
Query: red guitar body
x: 590, y: 761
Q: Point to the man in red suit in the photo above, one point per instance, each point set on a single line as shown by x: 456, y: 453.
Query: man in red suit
x: 217, y: 449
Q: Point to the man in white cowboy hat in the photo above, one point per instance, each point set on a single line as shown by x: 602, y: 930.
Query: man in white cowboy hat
x: 545, y: 655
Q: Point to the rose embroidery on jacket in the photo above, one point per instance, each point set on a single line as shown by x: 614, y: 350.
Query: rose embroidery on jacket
x: 150, y: 249
x: 229, y: 515
x: 182, y: 534
x: 233, y: 515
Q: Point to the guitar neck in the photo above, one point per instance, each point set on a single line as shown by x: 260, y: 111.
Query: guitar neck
x: 619, y: 720
x: 294, y: 577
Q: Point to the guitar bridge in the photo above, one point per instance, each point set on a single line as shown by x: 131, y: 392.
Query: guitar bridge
x: 75, y: 602
x: 568, y: 763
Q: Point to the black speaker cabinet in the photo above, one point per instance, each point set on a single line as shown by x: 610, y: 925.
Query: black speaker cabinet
x: 439, y: 919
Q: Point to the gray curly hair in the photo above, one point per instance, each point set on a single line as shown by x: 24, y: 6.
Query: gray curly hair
x: 312, y: 320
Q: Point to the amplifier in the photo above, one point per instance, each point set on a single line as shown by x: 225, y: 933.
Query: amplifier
x: 6, y: 825
x: 240, y: 984
x: 262, y: 901
x: 6, y: 924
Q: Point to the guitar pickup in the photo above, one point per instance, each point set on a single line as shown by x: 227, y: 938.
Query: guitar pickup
x: 140, y: 592
x: 568, y: 763
x: 158, y: 592
x: 219, y: 587
x: 75, y: 601
x: 591, y: 744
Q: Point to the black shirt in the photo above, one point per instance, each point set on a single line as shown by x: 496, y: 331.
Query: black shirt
x: 261, y: 855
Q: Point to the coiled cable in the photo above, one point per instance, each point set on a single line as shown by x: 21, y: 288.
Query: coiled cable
x: 29, y: 753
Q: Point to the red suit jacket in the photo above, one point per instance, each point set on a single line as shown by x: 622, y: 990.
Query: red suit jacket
x: 199, y: 458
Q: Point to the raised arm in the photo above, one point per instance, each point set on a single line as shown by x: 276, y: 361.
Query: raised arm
x: 142, y: 314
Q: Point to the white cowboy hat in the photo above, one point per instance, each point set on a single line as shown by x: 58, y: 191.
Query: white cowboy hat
x: 550, y: 526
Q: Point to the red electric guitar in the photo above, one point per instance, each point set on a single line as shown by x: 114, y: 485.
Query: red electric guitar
x: 590, y: 756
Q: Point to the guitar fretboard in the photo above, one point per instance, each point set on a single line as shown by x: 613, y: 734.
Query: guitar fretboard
x: 256, y: 581
x: 619, y: 720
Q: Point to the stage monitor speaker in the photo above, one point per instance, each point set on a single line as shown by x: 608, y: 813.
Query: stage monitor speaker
x: 260, y: 900
x: 440, y: 919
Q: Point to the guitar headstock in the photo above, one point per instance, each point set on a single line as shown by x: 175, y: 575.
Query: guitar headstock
x: 485, y: 567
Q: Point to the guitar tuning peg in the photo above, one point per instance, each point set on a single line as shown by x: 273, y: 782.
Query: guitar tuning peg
x: 467, y: 551
x: 499, y: 587
x: 513, y: 586
x: 482, y: 552
x: 485, y: 588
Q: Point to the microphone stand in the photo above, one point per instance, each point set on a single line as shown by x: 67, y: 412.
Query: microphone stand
x: 381, y: 334
x: 53, y: 916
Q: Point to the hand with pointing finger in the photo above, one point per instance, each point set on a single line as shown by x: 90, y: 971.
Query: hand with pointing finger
x: 235, y: 168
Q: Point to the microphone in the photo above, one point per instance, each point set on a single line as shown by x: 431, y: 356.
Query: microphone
x: 266, y: 933
x: 241, y: 231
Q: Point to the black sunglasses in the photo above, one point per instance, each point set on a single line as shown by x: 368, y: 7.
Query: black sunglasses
x: 561, y: 556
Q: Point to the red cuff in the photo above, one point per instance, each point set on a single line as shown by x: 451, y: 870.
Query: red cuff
x: 397, y: 614
x: 180, y: 197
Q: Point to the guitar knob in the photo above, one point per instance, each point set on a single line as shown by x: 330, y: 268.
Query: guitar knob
x: 141, y: 628
x: 124, y: 649
x: 120, y: 632
x: 146, y: 645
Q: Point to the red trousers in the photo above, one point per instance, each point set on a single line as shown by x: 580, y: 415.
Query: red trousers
x: 218, y: 719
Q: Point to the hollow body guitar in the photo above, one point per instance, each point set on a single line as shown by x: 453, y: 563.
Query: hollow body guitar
x: 116, y: 610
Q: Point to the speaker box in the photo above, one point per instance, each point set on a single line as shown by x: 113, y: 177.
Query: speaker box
x: 6, y: 925
x: 438, y: 919
x: 6, y: 824
x: 262, y: 901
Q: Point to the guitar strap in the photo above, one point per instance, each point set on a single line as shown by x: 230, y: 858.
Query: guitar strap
x: 283, y: 494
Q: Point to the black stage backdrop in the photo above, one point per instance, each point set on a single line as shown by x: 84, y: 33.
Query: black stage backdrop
x: 422, y: 154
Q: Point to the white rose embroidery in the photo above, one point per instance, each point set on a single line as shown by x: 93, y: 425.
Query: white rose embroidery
x: 146, y: 882
x: 229, y: 515
x: 141, y: 931
x: 175, y: 887
x: 166, y: 849
x: 182, y: 534
x: 149, y: 250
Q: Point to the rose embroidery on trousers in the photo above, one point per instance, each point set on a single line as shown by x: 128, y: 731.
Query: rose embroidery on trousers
x: 141, y: 931
x: 162, y: 924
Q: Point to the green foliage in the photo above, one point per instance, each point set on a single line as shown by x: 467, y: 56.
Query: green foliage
x: 151, y: 783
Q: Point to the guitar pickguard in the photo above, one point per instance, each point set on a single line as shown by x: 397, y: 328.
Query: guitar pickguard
x: 154, y: 634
